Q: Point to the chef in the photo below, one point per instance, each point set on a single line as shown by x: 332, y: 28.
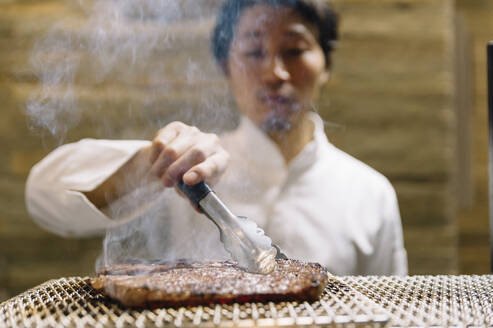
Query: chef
x: 277, y: 168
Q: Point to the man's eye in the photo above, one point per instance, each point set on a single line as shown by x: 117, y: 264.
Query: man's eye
x: 293, y: 52
x: 255, y: 53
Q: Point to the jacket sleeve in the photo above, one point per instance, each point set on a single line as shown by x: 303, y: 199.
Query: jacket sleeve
x: 55, y: 186
x: 390, y: 254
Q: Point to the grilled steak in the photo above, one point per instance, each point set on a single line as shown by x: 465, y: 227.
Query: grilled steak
x: 191, y: 284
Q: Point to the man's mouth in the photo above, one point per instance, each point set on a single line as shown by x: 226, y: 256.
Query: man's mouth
x: 279, y: 101
x: 281, y: 109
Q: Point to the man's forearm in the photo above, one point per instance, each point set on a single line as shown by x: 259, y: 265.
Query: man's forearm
x: 123, y: 181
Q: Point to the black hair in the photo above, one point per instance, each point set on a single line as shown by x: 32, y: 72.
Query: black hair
x: 317, y: 12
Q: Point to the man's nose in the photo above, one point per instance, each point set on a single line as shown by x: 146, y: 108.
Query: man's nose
x: 275, y: 70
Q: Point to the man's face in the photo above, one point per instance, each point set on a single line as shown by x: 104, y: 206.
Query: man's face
x: 275, y: 66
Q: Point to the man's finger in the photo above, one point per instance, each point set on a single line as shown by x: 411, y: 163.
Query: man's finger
x: 208, y: 169
x: 164, y: 137
x: 193, y: 156
x: 170, y: 154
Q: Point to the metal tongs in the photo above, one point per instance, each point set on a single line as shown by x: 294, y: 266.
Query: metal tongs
x: 242, y: 238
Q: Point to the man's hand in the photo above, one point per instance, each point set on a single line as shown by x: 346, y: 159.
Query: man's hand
x: 184, y: 152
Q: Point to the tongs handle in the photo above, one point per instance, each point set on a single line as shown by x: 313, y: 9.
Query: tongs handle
x: 196, y: 192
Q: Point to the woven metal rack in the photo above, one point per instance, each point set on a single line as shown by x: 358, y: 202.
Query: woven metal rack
x: 431, y: 301
x: 419, y: 301
x: 71, y: 302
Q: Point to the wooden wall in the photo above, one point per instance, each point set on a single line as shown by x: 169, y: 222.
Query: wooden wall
x: 476, y: 16
x: 393, y: 91
x: 391, y: 102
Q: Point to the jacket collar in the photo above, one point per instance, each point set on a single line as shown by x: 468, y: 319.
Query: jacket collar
x: 262, y: 153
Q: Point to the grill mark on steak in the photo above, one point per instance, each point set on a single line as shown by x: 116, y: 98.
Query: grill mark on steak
x: 191, y: 284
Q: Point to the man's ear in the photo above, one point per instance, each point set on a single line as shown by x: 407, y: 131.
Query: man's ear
x: 324, y: 77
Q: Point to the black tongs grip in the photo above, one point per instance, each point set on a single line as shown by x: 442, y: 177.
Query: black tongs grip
x: 196, y: 192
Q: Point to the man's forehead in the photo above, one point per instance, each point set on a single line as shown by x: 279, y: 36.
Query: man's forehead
x: 294, y: 30
x: 260, y: 20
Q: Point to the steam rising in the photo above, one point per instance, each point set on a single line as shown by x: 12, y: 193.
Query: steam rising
x: 53, y: 108
x: 126, y: 68
x: 144, y: 62
x: 160, y: 231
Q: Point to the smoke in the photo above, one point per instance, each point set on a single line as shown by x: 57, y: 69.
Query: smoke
x: 53, y: 108
x: 158, y: 225
x: 124, y: 69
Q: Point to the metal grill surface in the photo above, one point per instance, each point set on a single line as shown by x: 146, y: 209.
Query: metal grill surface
x: 417, y: 301
x: 431, y: 301
x: 71, y: 302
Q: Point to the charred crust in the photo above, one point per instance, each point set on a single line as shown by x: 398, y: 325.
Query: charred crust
x: 192, y: 284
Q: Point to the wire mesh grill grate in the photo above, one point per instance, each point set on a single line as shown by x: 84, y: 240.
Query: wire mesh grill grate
x: 71, y: 302
x: 424, y: 301
x: 419, y: 301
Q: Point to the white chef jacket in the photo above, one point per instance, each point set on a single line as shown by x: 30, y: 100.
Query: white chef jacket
x: 324, y: 206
